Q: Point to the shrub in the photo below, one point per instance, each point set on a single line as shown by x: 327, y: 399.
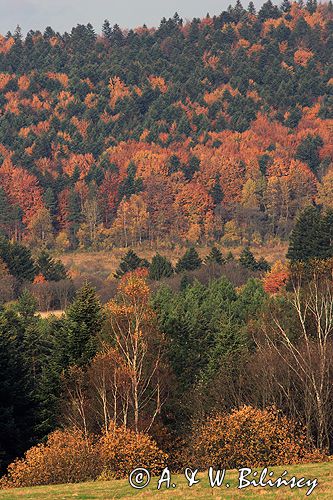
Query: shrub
x: 122, y: 450
x: 249, y: 437
x: 67, y: 457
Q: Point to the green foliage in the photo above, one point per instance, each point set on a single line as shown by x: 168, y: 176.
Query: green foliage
x: 130, y: 262
x: 247, y: 259
x: 17, y: 411
x: 81, y: 327
x: 189, y: 262
x: 18, y: 260
x: 51, y: 269
x: 160, y: 267
x: 308, y: 151
x: 311, y: 237
x: 215, y: 256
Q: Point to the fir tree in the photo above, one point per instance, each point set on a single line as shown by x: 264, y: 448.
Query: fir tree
x: 215, y: 256
x: 311, y: 236
x: 216, y: 191
x: 130, y: 262
x: 51, y: 269
x: 160, y: 267
x: 82, y: 325
x: 18, y: 260
x: 247, y: 259
x: 189, y: 261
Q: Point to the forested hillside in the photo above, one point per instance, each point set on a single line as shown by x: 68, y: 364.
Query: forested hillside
x: 190, y: 132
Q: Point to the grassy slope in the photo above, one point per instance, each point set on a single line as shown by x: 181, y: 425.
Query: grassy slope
x: 104, y: 264
x: 121, y: 489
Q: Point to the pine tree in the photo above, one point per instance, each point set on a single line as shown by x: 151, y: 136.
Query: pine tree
x: 82, y: 325
x: 130, y: 262
x: 18, y: 260
x: 107, y: 30
x: 312, y: 236
x: 51, y: 269
x: 247, y: 259
x: 130, y: 185
x: 215, y: 256
x: 17, y: 409
x: 160, y: 267
x: 263, y: 265
x: 189, y: 261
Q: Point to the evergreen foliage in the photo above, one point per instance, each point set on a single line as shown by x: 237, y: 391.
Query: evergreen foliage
x: 130, y: 262
x: 160, y: 267
x: 189, y: 262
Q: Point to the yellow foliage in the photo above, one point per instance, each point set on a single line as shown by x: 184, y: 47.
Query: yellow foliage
x: 249, y: 437
x: 122, y: 450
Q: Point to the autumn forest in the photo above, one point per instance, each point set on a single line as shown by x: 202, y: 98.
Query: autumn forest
x: 197, y: 158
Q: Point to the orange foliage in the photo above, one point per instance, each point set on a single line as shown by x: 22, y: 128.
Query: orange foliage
x: 4, y: 80
x: 158, y: 82
x: 302, y: 56
x: 39, y: 279
x: 82, y: 162
x: 22, y: 189
x: 81, y: 125
x: 249, y: 437
x: 61, y: 77
x: 6, y: 45
x: 67, y: 457
x: 122, y: 450
x: 118, y: 90
x: 276, y: 279
x: 23, y: 83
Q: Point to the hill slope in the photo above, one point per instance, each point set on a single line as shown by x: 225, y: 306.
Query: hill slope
x: 220, y: 127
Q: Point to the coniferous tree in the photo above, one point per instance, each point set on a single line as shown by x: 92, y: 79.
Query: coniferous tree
x: 51, y: 269
x: 17, y: 409
x: 189, y: 262
x: 82, y: 325
x: 130, y: 262
x: 18, y: 260
x: 215, y: 256
x: 247, y: 259
x: 160, y: 267
x: 311, y: 237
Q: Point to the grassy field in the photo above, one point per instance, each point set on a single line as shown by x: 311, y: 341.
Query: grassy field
x: 104, y: 264
x: 121, y: 489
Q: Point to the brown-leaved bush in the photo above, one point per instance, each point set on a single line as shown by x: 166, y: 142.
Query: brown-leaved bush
x: 122, y: 450
x: 250, y: 437
x: 67, y: 457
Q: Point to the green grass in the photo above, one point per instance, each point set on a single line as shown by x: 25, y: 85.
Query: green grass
x: 121, y: 489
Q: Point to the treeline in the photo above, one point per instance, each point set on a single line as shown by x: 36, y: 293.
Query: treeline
x: 200, y: 131
x: 144, y: 374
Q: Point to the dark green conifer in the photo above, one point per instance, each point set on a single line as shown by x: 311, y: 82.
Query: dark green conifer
x: 189, y: 261
x: 160, y: 267
x: 215, y: 256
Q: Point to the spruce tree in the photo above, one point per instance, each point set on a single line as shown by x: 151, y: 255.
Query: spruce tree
x: 160, y: 267
x: 310, y: 237
x: 82, y: 325
x: 215, y: 256
x: 189, y: 261
x: 51, y: 269
x: 130, y: 262
x: 247, y: 259
x: 17, y: 408
x: 18, y: 260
